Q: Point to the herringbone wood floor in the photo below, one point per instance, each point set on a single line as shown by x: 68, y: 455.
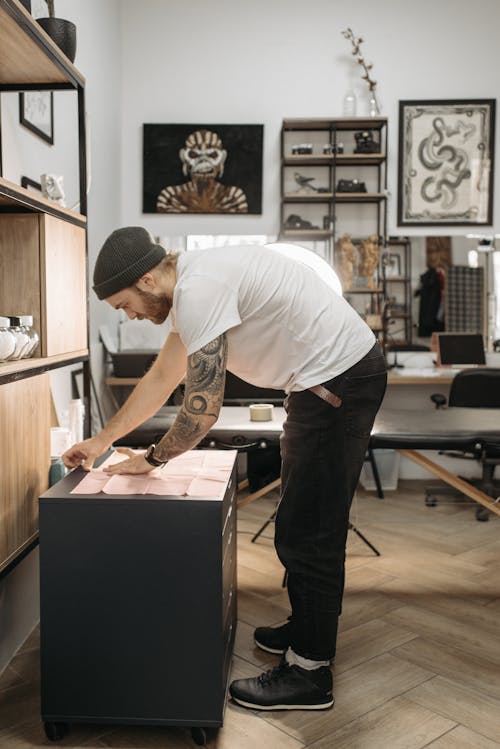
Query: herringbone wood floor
x: 418, y: 662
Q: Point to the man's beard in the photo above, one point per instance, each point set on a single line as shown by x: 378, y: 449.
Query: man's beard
x: 156, y: 308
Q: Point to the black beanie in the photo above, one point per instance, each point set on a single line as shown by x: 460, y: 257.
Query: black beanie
x: 125, y: 256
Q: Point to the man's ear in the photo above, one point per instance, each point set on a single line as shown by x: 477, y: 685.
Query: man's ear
x: 146, y: 282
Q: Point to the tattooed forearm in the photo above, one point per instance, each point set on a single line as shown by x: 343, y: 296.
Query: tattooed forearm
x: 184, y: 434
x: 204, y: 393
x: 205, y: 377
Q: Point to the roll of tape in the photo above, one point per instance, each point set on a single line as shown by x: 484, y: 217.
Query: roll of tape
x: 261, y: 412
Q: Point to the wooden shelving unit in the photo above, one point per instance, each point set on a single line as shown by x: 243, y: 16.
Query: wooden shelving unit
x: 43, y: 272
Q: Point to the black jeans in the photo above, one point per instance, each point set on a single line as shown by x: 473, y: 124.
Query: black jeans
x: 322, y: 451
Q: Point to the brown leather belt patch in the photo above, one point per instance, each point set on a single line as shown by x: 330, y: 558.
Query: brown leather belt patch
x: 327, y: 396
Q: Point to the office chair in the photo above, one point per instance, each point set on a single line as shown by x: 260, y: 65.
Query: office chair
x: 472, y: 388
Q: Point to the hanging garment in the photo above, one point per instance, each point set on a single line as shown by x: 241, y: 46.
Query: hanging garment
x: 430, y: 292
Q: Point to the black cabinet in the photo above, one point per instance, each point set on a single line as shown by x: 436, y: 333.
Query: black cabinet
x: 138, y: 607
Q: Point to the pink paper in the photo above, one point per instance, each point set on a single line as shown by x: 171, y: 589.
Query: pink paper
x: 92, y: 483
x: 196, y: 473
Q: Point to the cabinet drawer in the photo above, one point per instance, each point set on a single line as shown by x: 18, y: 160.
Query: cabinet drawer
x: 43, y: 273
x: 229, y: 563
x: 64, y: 286
x: 228, y: 652
x: 228, y: 604
x: 229, y: 534
x: 229, y: 500
x: 25, y: 440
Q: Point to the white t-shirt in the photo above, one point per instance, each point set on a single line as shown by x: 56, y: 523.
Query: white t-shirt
x: 286, y: 327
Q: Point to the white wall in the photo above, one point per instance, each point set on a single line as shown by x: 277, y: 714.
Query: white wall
x: 261, y: 61
x: 98, y: 58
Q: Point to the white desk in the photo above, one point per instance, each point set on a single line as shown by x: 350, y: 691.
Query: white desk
x: 421, y: 376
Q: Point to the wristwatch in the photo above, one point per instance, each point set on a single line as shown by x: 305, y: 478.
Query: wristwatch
x: 151, y: 458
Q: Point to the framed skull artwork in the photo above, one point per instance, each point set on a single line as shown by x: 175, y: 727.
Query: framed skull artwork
x: 202, y: 169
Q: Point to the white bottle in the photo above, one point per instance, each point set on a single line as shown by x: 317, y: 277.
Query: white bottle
x: 76, y: 416
x: 373, y: 107
x: 349, y: 104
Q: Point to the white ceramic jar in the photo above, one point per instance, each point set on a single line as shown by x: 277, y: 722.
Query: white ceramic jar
x: 7, y: 340
x: 22, y: 337
x: 27, y: 325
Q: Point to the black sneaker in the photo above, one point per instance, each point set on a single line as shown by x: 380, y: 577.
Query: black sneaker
x: 273, y: 639
x: 285, y: 688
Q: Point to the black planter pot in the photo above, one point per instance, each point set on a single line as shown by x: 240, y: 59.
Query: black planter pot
x: 62, y: 32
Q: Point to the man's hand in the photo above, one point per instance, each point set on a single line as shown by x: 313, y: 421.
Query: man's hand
x: 84, y: 453
x: 136, y: 464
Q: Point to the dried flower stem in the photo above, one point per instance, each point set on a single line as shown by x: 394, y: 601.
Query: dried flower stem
x: 356, y: 51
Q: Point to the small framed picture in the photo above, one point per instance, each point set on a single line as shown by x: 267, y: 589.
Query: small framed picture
x: 391, y: 262
x: 31, y: 185
x: 36, y: 112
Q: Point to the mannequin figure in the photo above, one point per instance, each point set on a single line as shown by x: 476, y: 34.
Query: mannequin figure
x: 346, y: 260
x: 369, y: 253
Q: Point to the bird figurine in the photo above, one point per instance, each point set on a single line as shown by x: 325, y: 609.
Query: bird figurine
x: 304, y: 183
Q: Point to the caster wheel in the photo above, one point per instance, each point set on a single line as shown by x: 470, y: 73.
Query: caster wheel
x: 199, y: 736
x: 55, y: 731
x: 430, y: 501
x: 482, y: 514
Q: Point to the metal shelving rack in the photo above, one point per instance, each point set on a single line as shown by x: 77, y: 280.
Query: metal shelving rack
x: 332, y: 130
x: 398, y: 287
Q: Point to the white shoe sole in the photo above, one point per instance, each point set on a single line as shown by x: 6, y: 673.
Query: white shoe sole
x: 323, y: 706
x: 275, y: 651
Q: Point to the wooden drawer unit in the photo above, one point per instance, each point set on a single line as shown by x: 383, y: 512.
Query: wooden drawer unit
x: 138, y: 613
x: 43, y: 273
x: 25, y: 440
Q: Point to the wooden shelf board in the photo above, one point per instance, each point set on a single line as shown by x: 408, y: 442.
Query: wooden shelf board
x: 377, y: 290
x: 359, y: 197
x: 16, y: 555
x: 304, y: 197
x: 313, y: 233
x: 397, y: 279
x: 346, y: 159
x: 338, y: 197
x: 113, y: 381
x: 27, y: 54
x: 17, y: 197
x: 334, y: 123
x: 11, y: 370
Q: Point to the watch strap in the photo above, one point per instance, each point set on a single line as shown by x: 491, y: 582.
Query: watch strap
x: 150, y: 458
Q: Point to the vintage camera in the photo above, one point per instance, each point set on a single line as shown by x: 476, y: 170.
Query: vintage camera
x: 302, y: 149
x: 294, y: 221
x: 330, y: 149
x: 365, y: 142
x: 350, y: 185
